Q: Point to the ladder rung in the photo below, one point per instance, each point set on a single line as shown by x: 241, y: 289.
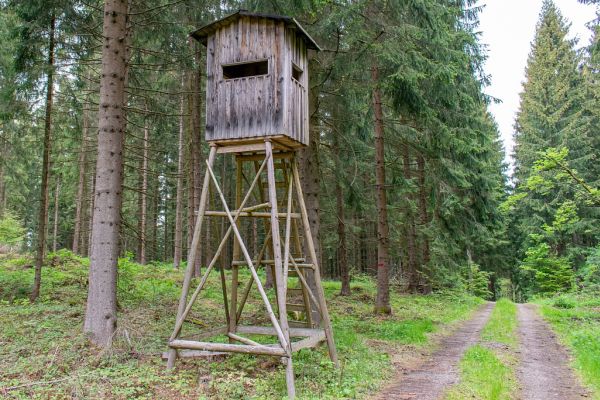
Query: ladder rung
x: 298, y: 324
x: 279, y: 184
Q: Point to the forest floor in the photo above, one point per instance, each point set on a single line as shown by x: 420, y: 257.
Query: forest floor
x: 449, y: 345
x: 44, y: 353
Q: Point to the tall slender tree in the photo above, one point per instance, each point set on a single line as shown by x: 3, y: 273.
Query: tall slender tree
x: 101, y: 311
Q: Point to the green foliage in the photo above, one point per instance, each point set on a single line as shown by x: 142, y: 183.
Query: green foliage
x: 564, y: 301
x: 11, y: 231
x: 477, y: 282
x: 551, y: 274
x: 589, y: 275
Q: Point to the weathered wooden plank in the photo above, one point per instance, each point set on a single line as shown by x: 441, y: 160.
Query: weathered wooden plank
x: 250, y: 214
x: 228, y: 347
x: 196, y: 354
x: 269, y: 331
x: 309, y: 342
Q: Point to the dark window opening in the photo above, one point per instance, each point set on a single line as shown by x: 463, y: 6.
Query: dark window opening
x: 245, y: 70
x: 296, y: 72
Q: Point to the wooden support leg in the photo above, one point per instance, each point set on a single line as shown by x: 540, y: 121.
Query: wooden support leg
x: 236, y: 251
x: 282, y: 339
x: 313, y: 254
x: 280, y: 283
x: 193, y: 250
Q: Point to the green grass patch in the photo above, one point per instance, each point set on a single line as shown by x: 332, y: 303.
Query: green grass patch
x: 44, y: 341
x: 501, y: 326
x: 576, y: 319
x: 487, y: 370
x: 483, y: 376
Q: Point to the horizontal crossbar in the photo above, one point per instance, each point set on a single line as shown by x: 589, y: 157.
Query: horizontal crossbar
x: 258, y: 214
x: 229, y: 348
x: 267, y: 330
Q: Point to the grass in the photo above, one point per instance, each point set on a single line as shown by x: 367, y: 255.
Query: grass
x: 483, y: 376
x: 43, y: 342
x: 487, y: 370
x: 501, y: 326
x: 576, y: 319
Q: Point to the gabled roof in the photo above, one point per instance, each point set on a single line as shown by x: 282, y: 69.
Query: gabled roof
x: 202, y: 33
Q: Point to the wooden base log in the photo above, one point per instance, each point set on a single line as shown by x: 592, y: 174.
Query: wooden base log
x: 228, y: 347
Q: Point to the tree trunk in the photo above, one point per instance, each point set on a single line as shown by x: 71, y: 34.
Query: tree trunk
x: 141, y: 256
x: 43, y: 212
x: 87, y: 238
x: 196, y: 146
x: 342, y: 251
x: 155, y: 211
x: 310, y: 174
x: 424, y: 220
x: 382, y: 302
x: 3, y: 154
x: 409, y: 227
x: 79, y: 198
x: 101, y: 312
x: 178, y: 246
x: 55, y: 227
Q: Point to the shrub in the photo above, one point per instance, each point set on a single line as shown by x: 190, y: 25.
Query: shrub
x: 11, y: 233
x: 564, y: 302
x: 551, y: 274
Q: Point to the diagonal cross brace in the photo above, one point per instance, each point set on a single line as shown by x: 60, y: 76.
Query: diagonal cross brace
x: 280, y: 336
x: 192, y: 300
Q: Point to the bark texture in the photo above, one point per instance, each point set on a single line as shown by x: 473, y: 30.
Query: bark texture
x: 101, y: 312
x: 342, y: 250
x: 410, y: 231
x: 382, y: 302
x: 43, y: 212
x: 143, y: 193
x: 82, y: 163
x: 178, y: 245
x: 310, y: 175
x: 55, y: 221
x: 424, y: 220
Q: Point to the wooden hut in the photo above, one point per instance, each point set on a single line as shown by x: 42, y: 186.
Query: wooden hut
x: 257, y: 79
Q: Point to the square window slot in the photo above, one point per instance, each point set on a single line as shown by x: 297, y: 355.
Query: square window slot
x: 244, y: 70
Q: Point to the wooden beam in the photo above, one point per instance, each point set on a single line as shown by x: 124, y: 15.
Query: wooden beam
x: 267, y: 330
x: 242, y: 339
x: 228, y: 347
x: 250, y: 214
x: 238, y: 236
x: 309, y: 342
x: 196, y: 354
x: 258, y: 157
x: 192, y: 257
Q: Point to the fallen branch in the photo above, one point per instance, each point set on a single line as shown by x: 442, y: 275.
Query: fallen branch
x: 25, y: 385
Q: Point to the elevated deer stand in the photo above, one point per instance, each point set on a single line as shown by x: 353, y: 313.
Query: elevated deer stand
x: 263, y: 137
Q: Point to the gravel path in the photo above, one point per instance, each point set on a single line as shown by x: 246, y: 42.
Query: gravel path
x: 544, y: 373
x: 429, y: 380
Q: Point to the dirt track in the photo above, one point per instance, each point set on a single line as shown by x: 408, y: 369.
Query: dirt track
x: 544, y: 373
x: 429, y: 380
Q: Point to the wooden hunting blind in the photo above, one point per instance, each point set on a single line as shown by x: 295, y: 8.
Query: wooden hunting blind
x: 257, y: 111
x: 257, y: 78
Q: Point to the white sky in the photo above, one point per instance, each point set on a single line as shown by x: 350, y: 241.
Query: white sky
x: 507, y: 28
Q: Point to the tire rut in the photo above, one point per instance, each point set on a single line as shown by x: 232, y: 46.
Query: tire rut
x: 544, y: 373
x: 429, y: 380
